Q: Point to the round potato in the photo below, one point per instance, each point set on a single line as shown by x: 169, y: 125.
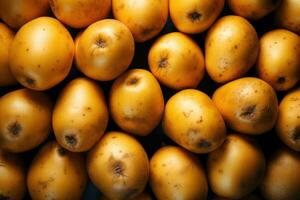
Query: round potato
x: 144, y: 18
x: 231, y: 48
x: 56, y: 173
x: 104, y: 50
x: 248, y: 105
x: 237, y: 168
x: 80, y: 13
x: 177, y: 174
x: 176, y: 61
x: 193, y: 121
x: 41, y: 53
x: 25, y: 120
x: 80, y: 115
x: 194, y: 16
x: 136, y: 102
x: 118, y: 165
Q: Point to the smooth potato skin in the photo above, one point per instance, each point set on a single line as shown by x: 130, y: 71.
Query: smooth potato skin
x: 104, y: 50
x: 136, y: 102
x: 248, y: 105
x: 231, y: 48
x: 236, y: 168
x: 176, y: 61
x: 177, y: 174
x: 12, y: 176
x: 56, y: 173
x: 194, y: 16
x: 118, y: 165
x: 25, y: 120
x: 80, y: 13
x: 144, y: 18
x: 41, y: 53
x: 279, y: 59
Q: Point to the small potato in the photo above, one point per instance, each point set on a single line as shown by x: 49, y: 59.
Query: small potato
x: 194, y: 16
x: 104, y: 50
x: 25, y: 120
x: 118, y: 165
x: 176, y: 61
x: 279, y: 59
x: 136, y: 102
x: 12, y: 177
x: 144, y: 18
x: 80, y: 13
x: 193, y: 121
x: 248, y: 105
x: 56, y: 173
x: 177, y: 174
x: 231, y: 48
x: 236, y: 168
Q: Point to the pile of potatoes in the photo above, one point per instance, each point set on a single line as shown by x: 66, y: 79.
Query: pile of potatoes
x: 150, y: 99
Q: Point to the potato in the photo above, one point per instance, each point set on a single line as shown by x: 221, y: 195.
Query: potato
x: 248, y: 105
x: 6, y: 38
x: 104, y: 50
x: 193, y: 121
x: 136, y: 102
x: 279, y: 59
x: 236, y: 168
x: 282, y: 177
x: 252, y: 9
x: 41, y: 53
x: 194, y: 16
x: 231, y: 48
x: 176, y: 61
x: 118, y: 165
x: 142, y: 196
x: 80, y: 13
x: 144, y: 18
x: 288, y: 123
x: 177, y: 174
x: 12, y: 177
x: 56, y: 173
x: 16, y: 13
x: 25, y: 120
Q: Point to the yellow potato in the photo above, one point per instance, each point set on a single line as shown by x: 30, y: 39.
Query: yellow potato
x: 231, y: 48
x: 236, y: 168
x: 118, y: 165
x: 176, y: 61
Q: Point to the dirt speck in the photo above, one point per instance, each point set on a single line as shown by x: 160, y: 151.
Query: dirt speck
x: 194, y: 16
x: 132, y: 80
x: 204, y: 143
x: 30, y: 81
x: 71, y: 140
x: 14, y: 128
x: 248, y: 112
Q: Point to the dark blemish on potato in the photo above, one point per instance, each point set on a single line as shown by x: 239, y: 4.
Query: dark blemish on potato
x: 220, y: 171
x: 163, y: 62
x: 30, y: 81
x: 146, y: 31
x: 194, y: 16
x: 83, y: 115
x: 14, y: 128
x: 101, y: 43
x: 130, y: 192
x: 132, y: 81
x: 248, y: 112
x: 39, y: 66
x: 114, y: 137
x: 61, y: 151
x: 281, y: 80
x: 187, y: 114
x: 71, y: 140
x: 3, y: 197
x: 235, y: 46
x: 220, y: 75
x: 203, y: 144
x: 118, y: 168
x: 200, y: 120
x: 44, y: 184
x: 88, y: 108
x: 296, y: 134
x: 27, y: 50
x: 298, y: 117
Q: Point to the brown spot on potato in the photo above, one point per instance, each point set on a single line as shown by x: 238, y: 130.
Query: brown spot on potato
x: 71, y: 140
x: 101, y: 43
x: 118, y: 168
x: 163, y: 62
x: 3, y: 197
x: 44, y: 184
x: 27, y: 49
x: 248, y: 112
x: 147, y: 31
x: 236, y: 47
x: 14, y: 128
x: 132, y: 80
x: 30, y: 81
x: 204, y: 144
x: 281, y: 80
x: 295, y: 136
x: 194, y: 16
x: 220, y: 171
x: 61, y: 151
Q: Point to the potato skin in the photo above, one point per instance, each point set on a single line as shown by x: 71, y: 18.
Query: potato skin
x: 12, y: 176
x: 80, y: 13
x: 104, y: 50
x: 136, y: 102
x: 42, y: 66
x: 144, y: 18
x: 231, y: 48
x: 279, y: 59
x: 25, y: 120
x: 236, y: 168
x: 248, y: 105
x: 177, y: 174
x: 118, y: 165
x: 193, y: 121
x: 194, y: 16
x: 176, y: 61
x: 56, y: 173
x: 282, y: 177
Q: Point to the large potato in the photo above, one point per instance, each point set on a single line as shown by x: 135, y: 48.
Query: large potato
x: 25, y: 120
x: 80, y: 115
x: 177, y: 174
x: 118, y: 165
x: 248, y: 105
x: 41, y: 53
x: 231, y: 48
